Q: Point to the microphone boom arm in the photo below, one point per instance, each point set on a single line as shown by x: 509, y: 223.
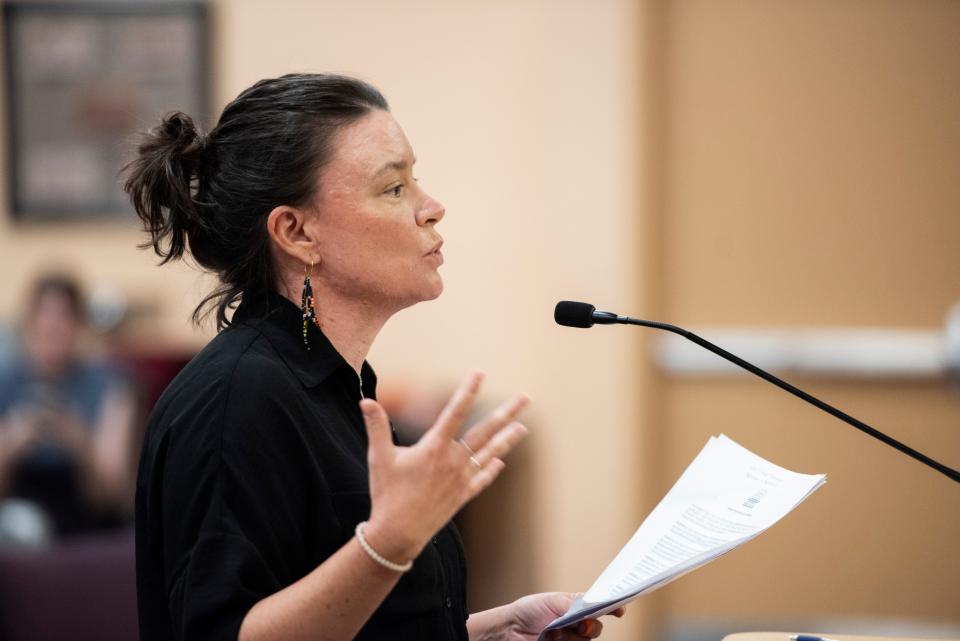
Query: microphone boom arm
x: 607, y: 318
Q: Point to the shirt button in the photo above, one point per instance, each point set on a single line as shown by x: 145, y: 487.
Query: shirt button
x: 449, y: 602
x: 435, y: 541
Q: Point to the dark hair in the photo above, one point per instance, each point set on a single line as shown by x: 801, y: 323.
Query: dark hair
x: 61, y: 285
x: 212, y: 194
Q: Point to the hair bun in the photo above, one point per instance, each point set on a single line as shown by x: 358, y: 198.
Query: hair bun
x: 161, y: 182
x: 178, y: 132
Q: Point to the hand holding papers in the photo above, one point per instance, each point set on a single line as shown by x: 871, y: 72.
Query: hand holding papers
x: 726, y: 496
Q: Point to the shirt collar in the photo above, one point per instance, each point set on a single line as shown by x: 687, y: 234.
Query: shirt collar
x: 281, y: 323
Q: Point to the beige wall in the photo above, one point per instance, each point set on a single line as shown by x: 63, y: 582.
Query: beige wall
x: 811, y: 156
x: 523, y: 116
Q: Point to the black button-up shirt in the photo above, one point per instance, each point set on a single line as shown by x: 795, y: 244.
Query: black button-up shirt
x: 253, y: 472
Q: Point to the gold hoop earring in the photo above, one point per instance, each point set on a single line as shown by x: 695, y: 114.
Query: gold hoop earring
x: 308, y: 304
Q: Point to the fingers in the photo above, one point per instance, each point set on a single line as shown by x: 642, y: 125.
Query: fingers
x: 458, y: 407
x: 502, y: 442
x: 484, y: 477
x: 587, y: 629
x: 378, y: 430
x: 478, y: 435
x: 590, y: 628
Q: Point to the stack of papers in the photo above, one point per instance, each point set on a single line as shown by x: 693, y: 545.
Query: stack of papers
x: 726, y: 496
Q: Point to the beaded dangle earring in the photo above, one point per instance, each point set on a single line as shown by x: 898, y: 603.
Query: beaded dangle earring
x: 307, y: 304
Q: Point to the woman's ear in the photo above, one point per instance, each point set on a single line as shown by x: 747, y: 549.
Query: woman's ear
x: 289, y: 233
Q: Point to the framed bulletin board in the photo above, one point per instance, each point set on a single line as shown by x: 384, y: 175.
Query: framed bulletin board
x: 81, y: 79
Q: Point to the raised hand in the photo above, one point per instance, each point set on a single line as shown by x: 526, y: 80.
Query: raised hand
x: 415, y: 490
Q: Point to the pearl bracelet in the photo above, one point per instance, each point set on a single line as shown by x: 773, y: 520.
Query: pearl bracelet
x: 396, y: 567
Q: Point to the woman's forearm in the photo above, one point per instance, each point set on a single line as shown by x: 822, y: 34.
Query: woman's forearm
x: 111, y: 470
x: 331, y: 603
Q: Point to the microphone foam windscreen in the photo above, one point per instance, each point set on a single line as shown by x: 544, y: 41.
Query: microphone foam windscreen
x: 573, y: 314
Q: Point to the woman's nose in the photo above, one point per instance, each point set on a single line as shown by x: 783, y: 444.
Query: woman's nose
x: 431, y: 211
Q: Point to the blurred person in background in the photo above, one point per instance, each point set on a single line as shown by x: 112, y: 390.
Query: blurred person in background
x: 65, y: 421
x: 273, y: 500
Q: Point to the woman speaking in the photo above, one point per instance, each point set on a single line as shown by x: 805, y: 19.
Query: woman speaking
x: 272, y: 499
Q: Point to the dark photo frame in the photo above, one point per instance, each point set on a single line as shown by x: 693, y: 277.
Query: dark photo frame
x: 81, y: 79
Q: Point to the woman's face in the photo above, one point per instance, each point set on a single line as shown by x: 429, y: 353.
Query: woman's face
x: 51, y: 334
x: 375, y: 226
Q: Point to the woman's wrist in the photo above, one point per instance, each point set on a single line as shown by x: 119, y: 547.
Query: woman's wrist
x: 389, y: 543
x: 491, y: 625
x: 376, y: 556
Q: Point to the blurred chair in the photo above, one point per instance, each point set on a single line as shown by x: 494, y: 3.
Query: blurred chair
x: 83, y: 589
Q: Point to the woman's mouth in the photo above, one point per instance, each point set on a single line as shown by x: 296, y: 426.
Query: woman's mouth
x: 435, y: 253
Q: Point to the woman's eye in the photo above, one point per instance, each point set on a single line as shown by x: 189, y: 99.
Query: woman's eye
x: 395, y: 191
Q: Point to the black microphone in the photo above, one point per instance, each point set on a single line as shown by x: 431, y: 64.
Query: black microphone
x: 584, y: 315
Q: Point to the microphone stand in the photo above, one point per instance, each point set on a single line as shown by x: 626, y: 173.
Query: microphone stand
x: 608, y: 318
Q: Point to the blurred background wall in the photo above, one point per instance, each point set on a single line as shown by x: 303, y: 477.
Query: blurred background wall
x: 708, y: 163
x: 808, y: 162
